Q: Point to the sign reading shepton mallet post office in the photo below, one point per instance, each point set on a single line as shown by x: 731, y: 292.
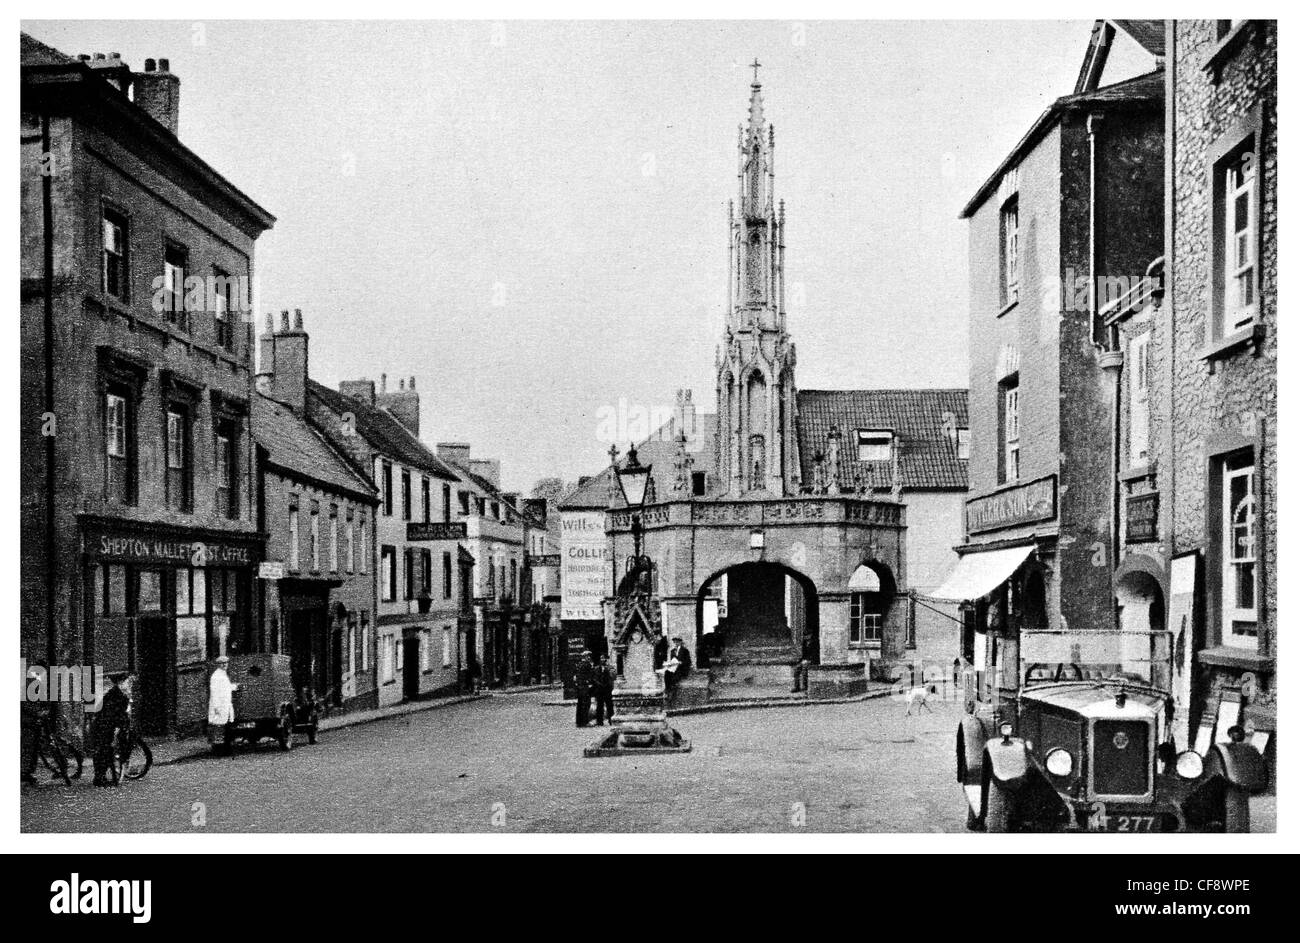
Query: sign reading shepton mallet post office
x: 1020, y: 504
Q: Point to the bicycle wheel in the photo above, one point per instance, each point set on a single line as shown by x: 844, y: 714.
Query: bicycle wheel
x: 75, y: 759
x: 138, y: 759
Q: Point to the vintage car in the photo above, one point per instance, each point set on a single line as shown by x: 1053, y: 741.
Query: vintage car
x: 266, y: 704
x: 1091, y: 755
x: 1096, y: 754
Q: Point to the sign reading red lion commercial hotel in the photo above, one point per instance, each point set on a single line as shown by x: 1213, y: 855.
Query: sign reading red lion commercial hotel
x: 1021, y: 504
x: 584, y: 570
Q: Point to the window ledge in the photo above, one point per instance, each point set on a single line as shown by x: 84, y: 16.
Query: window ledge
x: 1229, y: 656
x: 1008, y: 306
x: 1227, y: 47
x: 1222, y: 347
x: 1138, y: 471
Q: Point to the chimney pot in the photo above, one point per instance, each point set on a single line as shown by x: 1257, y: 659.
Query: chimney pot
x: 412, y: 386
x: 401, y: 384
x: 297, y: 319
x: 270, y: 323
x: 115, y: 55
x: 164, y: 65
x: 150, y: 65
x: 83, y: 57
x: 383, y: 383
x: 284, y: 320
x: 99, y: 55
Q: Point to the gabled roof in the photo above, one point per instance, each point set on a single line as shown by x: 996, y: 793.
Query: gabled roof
x: 293, y: 445
x: 659, y: 451
x: 31, y: 51
x: 1144, y: 89
x: 1150, y: 34
x: 924, y: 424
x: 382, y: 430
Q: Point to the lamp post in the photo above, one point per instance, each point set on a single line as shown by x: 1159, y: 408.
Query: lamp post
x: 633, y: 481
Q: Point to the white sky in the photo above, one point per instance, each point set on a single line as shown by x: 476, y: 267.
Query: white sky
x: 535, y: 224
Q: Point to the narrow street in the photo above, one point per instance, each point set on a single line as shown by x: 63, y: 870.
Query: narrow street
x: 511, y: 763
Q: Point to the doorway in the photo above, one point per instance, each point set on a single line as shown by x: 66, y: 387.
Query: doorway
x: 152, y: 656
x: 410, y: 668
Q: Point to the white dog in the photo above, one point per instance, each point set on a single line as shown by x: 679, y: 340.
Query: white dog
x: 920, y: 697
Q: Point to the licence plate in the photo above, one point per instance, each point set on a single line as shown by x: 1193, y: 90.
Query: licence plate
x: 1123, y: 822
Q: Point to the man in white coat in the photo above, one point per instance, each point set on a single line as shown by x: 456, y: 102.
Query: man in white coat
x: 221, y: 704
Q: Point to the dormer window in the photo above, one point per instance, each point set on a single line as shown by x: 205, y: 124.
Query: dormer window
x: 875, y: 445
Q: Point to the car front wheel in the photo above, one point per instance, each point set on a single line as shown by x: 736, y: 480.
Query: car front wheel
x: 997, y: 809
x: 1236, y: 810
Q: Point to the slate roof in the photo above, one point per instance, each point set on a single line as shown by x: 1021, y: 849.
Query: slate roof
x: 659, y: 452
x: 31, y: 51
x: 295, y: 445
x: 919, y: 419
x: 382, y: 430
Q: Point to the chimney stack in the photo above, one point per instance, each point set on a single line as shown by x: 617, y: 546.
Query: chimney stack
x: 114, y: 71
x: 455, y: 452
x: 282, y: 368
x: 158, y: 93
x: 362, y: 389
x: 404, y: 404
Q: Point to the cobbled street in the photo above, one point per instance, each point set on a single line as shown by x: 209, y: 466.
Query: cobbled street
x: 514, y: 763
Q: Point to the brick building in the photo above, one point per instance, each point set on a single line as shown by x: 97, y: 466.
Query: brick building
x: 416, y: 538
x: 139, y: 528
x: 1070, y: 219
x: 318, y: 511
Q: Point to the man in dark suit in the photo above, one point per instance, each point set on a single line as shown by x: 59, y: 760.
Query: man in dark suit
x: 660, y: 650
x: 583, y: 675
x: 603, y: 686
x: 678, y: 665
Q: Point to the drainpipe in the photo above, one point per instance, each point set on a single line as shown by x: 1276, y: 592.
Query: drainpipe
x: 51, y: 546
x: 1171, y: 324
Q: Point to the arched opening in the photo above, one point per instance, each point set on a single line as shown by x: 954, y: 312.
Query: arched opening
x: 1141, y: 602
x: 757, y: 611
x: 871, y: 593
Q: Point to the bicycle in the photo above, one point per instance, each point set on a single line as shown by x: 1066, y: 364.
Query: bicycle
x: 132, y: 758
x: 57, y: 753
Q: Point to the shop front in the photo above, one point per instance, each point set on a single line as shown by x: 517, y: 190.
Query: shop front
x: 162, y: 602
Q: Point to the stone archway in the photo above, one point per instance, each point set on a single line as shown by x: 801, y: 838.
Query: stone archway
x: 772, y: 621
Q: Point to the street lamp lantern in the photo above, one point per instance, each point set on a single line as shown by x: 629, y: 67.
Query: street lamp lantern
x: 633, y: 479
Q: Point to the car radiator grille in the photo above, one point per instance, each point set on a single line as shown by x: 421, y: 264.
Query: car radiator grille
x: 1121, y: 758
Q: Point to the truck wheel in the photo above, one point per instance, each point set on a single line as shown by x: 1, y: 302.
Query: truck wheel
x: 997, y: 810
x: 1236, y: 809
x: 311, y: 733
x: 284, y: 735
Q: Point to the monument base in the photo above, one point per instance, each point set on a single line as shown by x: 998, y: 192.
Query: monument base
x: 639, y: 727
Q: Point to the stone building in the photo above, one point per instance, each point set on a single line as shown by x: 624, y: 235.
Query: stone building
x: 1069, y: 220
x: 766, y: 566
x: 317, y: 509
x: 140, y: 538
x: 1212, y: 343
x: 416, y: 539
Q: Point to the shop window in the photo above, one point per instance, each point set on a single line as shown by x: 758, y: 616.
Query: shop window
x: 364, y: 620
x: 386, y: 660
x: 191, y: 615
x: 388, y: 573
x: 446, y: 646
x: 1009, y: 421
x: 1240, y: 585
x: 110, y: 589
x: 874, y: 445
x: 223, y: 591
x: 352, y: 645
x: 149, y: 596
x: 426, y: 654
x: 446, y: 576
x: 117, y: 277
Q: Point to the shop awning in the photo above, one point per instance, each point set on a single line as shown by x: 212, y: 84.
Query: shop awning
x: 978, y: 574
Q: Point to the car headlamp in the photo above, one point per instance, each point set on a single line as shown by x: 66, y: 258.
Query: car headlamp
x: 1189, y: 764
x: 1006, y: 730
x: 1060, y: 762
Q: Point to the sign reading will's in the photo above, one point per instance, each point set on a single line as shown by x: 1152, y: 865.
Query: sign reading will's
x: 1022, y: 504
x: 584, y: 570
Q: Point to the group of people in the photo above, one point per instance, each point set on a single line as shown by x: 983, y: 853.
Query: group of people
x: 594, y: 678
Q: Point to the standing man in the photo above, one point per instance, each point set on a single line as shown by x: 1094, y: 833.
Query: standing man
x: 221, y: 704
x: 111, y: 717
x: 604, y: 686
x: 660, y: 651
x: 584, y: 673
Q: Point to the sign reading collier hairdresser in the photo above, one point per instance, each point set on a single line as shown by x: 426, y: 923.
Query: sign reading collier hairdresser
x: 584, y: 566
